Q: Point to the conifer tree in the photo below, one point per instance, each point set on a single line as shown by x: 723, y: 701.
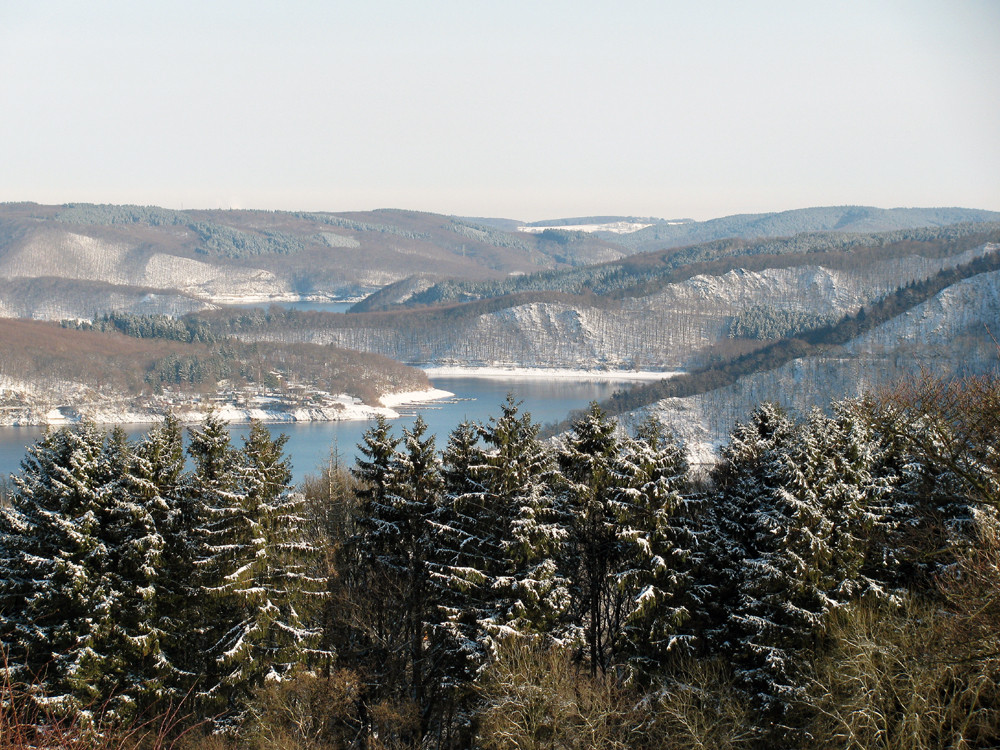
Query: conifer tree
x: 377, y: 633
x: 594, y: 553
x: 399, y: 499
x: 747, y: 532
x: 517, y: 475
x: 216, y: 530
x: 269, y: 579
x: 799, y: 503
x: 468, y: 551
x: 498, y: 538
x: 155, y: 484
x: 56, y: 600
x: 138, y: 669
x: 658, y: 528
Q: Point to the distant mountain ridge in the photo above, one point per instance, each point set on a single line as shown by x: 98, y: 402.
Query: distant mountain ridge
x: 81, y: 260
x: 797, y: 221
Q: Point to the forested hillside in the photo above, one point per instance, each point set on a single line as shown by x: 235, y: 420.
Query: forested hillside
x: 51, y: 372
x: 832, y: 582
x: 848, y: 219
x: 649, y: 320
x: 952, y: 334
x: 222, y: 255
x: 647, y: 272
x: 158, y: 260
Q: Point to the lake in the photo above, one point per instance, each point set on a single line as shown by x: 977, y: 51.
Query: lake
x: 337, y: 306
x: 310, y: 443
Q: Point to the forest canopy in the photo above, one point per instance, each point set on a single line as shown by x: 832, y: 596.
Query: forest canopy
x: 501, y: 591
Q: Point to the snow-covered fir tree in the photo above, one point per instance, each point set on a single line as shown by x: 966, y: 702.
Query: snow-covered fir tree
x: 524, y: 534
x: 754, y: 615
x: 465, y: 549
x: 658, y: 526
x: 139, y: 670
x: 271, y: 576
x: 800, y: 508
x: 594, y: 554
x: 154, y: 483
x: 218, y: 527
x: 931, y: 516
x: 497, y: 540
x: 400, y: 492
x: 57, y: 593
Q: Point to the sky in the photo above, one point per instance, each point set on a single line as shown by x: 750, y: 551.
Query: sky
x: 525, y: 110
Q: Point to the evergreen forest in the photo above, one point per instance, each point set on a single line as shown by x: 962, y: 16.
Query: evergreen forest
x: 832, y: 582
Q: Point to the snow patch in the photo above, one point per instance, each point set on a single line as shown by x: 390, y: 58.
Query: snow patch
x: 615, y: 227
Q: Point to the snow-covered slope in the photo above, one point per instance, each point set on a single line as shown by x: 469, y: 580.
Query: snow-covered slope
x: 68, y: 255
x: 949, y: 335
x: 667, y: 330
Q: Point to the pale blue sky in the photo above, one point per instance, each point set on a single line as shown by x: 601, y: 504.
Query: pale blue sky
x: 528, y: 110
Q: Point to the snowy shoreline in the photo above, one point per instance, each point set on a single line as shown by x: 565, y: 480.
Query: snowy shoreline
x: 545, y: 373
x: 41, y: 412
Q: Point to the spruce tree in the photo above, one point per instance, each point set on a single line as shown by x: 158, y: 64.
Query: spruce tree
x: 217, y: 528
x: 376, y: 633
x: 594, y: 554
x: 57, y: 601
x: 155, y: 483
x: 269, y: 579
x: 138, y: 670
x: 658, y: 527
x: 399, y: 499
x: 800, y: 504
x: 747, y: 532
x: 524, y: 534
x: 498, y: 538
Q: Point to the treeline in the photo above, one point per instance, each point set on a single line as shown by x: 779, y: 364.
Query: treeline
x: 187, y: 329
x: 832, y: 582
x: 818, y: 221
x: 806, y: 343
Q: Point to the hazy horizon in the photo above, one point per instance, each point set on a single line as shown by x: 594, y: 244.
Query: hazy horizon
x: 519, y: 110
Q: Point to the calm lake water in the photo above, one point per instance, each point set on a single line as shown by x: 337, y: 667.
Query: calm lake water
x: 310, y: 443
x: 330, y: 306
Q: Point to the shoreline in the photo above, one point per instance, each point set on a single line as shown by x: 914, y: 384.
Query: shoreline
x: 546, y: 373
x: 342, y: 408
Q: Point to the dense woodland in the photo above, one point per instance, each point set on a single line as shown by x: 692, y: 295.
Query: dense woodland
x: 834, y: 581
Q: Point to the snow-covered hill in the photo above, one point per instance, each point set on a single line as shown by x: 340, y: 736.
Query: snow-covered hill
x: 948, y: 336
x: 669, y: 329
x: 69, y: 255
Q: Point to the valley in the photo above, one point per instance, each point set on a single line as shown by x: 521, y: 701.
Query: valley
x: 140, y: 303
